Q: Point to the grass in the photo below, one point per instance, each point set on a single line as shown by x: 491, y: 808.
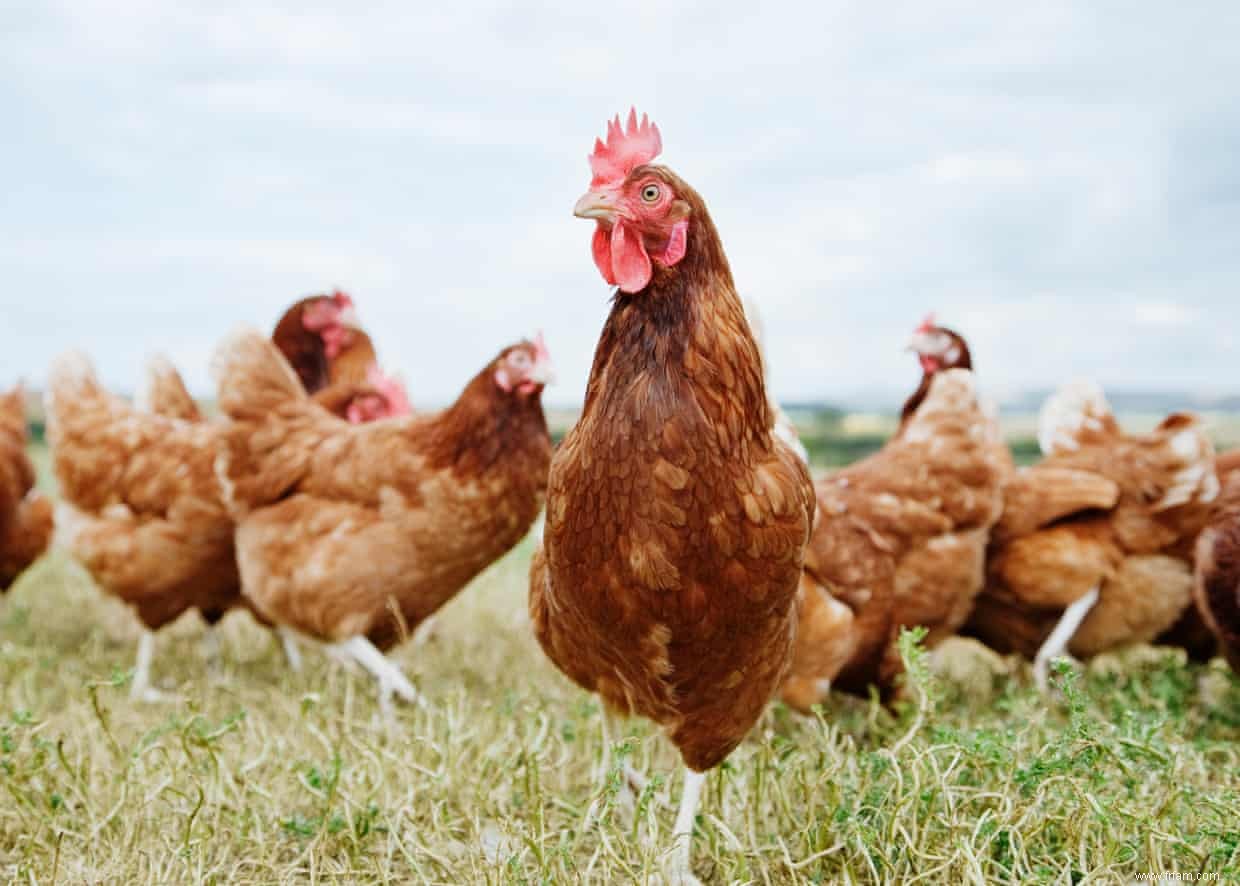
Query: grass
x: 254, y: 774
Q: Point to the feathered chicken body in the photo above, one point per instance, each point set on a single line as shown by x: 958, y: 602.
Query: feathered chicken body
x: 1105, y: 523
x: 1226, y: 464
x: 141, y: 506
x: 900, y: 541
x: 1216, y: 588
x: 667, y: 580
x: 348, y: 531
x: 25, y: 514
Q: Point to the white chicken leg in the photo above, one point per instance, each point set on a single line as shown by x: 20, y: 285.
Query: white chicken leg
x: 1057, y: 643
x: 288, y: 642
x: 141, y: 689
x: 677, y: 869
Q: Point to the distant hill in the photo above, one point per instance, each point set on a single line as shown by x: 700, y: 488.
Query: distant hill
x: 1029, y: 402
x: 1135, y: 401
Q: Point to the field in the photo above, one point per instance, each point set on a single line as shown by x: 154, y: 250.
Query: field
x: 251, y: 773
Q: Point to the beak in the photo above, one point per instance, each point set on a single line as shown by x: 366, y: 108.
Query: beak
x: 600, y: 205
x: 543, y: 373
x: 919, y: 343
x: 348, y: 318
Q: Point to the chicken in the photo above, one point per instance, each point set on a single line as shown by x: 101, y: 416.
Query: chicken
x: 1227, y: 463
x: 165, y: 394
x: 900, y: 541
x: 141, y: 507
x: 938, y: 349
x: 335, y: 359
x: 1211, y: 625
x: 667, y: 578
x: 25, y: 514
x: 1094, y: 545
x: 353, y: 534
x: 1216, y: 586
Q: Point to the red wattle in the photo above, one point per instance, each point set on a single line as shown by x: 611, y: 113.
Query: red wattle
x: 676, y: 244
x: 629, y: 261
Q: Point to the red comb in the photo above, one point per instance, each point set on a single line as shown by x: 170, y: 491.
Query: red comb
x: 342, y: 299
x: 625, y: 150
x: 927, y: 324
x: 540, y: 347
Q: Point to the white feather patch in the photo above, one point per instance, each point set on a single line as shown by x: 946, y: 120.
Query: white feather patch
x: 1077, y: 406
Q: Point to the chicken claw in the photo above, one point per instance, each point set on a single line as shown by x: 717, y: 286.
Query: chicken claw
x: 392, y: 681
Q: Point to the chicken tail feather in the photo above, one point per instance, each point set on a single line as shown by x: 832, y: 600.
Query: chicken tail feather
x: 265, y: 449
x: 254, y: 378
x: 165, y: 393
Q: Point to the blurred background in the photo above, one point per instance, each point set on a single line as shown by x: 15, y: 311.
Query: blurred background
x: 1057, y: 181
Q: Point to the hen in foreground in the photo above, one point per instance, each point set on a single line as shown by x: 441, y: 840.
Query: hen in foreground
x: 901, y: 537
x: 1094, y: 547
x: 25, y: 514
x: 676, y: 521
x: 354, y: 534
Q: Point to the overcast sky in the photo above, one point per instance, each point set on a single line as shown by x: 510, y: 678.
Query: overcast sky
x: 1060, y: 181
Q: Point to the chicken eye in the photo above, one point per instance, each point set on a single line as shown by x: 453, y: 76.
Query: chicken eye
x: 650, y: 193
x: 520, y: 359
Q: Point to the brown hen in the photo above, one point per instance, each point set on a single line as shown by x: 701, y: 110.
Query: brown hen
x: 141, y: 506
x: 676, y: 522
x: 1216, y: 589
x: 353, y: 534
x: 1093, y: 550
x: 25, y: 513
x: 900, y: 541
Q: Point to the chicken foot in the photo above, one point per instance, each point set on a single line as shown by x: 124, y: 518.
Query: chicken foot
x: 392, y: 681
x: 1057, y: 643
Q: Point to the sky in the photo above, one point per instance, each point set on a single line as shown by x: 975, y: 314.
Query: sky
x: 1058, y: 181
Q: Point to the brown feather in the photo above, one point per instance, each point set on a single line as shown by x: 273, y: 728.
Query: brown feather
x: 1217, y: 571
x: 25, y: 514
x: 900, y: 542
x: 143, y: 510
x: 1107, y: 510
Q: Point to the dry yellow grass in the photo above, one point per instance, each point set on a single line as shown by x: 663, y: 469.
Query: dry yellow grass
x: 253, y: 774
